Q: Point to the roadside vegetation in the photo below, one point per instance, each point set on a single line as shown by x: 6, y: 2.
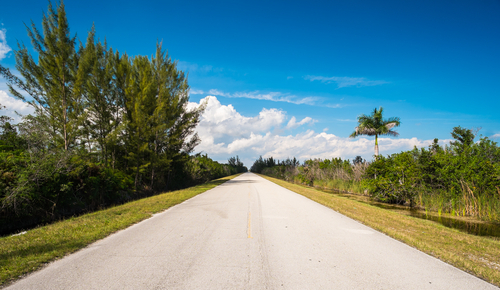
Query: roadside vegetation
x: 478, y: 255
x: 25, y: 253
x: 462, y: 179
x: 108, y: 128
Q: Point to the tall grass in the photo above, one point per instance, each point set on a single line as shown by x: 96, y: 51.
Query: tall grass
x: 470, y: 202
x: 337, y: 175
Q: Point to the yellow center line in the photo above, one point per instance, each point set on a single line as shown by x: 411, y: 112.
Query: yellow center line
x: 250, y: 225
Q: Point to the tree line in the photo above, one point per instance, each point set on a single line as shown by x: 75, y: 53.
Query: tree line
x: 462, y: 178
x: 107, y: 127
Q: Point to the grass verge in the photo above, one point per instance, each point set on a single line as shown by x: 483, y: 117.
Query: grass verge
x: 22, y: 254
x: 477, y: 255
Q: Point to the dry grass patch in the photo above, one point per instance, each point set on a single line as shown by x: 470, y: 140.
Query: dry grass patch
x: 477, y: 255
x: 22, y: 254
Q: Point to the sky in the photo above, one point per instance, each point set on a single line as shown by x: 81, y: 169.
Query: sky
x: 289, y: 78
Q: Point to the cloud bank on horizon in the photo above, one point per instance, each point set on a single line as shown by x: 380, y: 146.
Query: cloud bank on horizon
x: 224, y: 132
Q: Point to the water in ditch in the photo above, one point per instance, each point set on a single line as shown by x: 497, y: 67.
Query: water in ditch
x: 468, y: 225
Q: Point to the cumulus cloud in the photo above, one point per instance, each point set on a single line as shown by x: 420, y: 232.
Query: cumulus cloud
x: 224, y: 133
x: 222, y: 123
x: 14, y: 105
x: 310, y: 144
x: 343, y: 82
x: 224, y: 130
x: 4, y: 48
x: 495, y: 136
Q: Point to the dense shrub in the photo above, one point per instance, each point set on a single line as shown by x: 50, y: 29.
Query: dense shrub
x: 451, y: 171
x: 394, y: 179
x: 48, y: 185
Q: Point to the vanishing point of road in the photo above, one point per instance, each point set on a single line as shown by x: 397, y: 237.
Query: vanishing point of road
x: 249, y: 233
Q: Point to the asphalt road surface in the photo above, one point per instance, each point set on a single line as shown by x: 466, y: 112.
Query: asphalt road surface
x: 249, y: 233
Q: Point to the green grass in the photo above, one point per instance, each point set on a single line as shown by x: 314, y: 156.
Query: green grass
x: 20, y: 255
x: 477, y: 255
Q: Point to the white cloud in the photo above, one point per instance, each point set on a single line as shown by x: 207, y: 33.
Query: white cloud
x: 219, y: 122
x: 4, y: 48
x: 495, y: 136
x: 193, y: 67
x: 12, y: 105
x: 196, y: 92
x: 334, y: 106
x: 268, y: 96
x: 343, y: 82
x: 219, y: 93
x: 275, y: 97
x: 292, y: 124
x: 224, y: 133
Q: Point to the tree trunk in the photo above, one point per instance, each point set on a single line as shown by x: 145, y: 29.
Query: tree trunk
x: 65, y: 132
x: 113, y: 160
x: 155, y: 155
x: 137, y: 168
x: 376, y: 145
x: 152, y: 177
x: 90, y: 145
x: 136, y: 175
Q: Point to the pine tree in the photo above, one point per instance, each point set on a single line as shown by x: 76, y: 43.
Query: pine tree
x: 95, y: 74
x: 121, y: 69
x: 171, y: 123
x: 161, y: 119
x: 51, y: 81
x: 141, y: 95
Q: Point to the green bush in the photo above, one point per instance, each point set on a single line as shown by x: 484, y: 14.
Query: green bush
x: 462, y: 179
x: 394, y: 179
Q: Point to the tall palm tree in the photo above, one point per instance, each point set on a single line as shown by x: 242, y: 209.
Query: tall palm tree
x: 375, y: 125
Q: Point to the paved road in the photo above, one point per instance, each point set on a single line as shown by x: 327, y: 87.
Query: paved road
x: 249, y: 234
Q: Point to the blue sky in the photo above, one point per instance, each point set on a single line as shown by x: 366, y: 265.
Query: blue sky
x: 270, y: 65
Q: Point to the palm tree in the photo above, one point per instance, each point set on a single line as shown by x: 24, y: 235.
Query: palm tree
x: 375, y: 125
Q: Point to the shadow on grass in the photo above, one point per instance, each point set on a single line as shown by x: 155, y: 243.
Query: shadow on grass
x: 64, y: 246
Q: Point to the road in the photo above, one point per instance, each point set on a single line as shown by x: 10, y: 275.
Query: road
x: 249, y: 233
